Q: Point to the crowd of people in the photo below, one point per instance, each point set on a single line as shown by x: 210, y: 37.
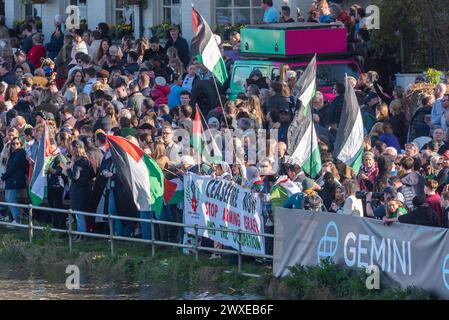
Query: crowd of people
x: 83, y: 88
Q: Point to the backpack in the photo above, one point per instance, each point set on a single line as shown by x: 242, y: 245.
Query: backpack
x: 313, y: 202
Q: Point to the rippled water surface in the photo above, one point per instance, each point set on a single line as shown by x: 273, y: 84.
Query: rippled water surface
x: 16, y: 283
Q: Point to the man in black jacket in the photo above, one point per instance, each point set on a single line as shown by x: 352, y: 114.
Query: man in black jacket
x: 422, y: 215
x: 177, y: 41
x: 278, y: 101
x: 336, y: 106
x: 155, y: 50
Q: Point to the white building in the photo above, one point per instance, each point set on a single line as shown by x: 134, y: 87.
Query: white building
x: 144, y: 16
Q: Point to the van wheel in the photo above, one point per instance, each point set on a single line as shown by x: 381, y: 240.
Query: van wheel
x: 205, y: 94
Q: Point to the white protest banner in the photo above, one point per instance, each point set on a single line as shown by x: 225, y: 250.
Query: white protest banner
x: 218, y: 203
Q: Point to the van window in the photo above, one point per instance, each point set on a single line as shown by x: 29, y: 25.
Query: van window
x: 275, y: 73
x: 240, y: 76
x: 328, y: 75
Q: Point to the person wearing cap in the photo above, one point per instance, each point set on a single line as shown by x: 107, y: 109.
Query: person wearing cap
x: 160, y: 91
x: 181, y: 45
x: 308, y: 199
x: 405, y: 193
x: 372, y: 100
x: 213, y: 123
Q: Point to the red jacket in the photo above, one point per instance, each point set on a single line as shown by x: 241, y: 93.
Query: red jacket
x: 36, y: 54
x: 160, y: 94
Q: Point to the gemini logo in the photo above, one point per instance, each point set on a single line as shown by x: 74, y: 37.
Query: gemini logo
x: 445, y: 272
x: 327, y: 248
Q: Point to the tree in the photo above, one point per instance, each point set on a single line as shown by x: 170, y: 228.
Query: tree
x: 415, y: 31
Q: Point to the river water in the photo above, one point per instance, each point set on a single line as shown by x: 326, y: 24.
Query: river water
x: 17, y: 283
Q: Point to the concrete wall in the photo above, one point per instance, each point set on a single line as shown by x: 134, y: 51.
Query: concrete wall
x: 13, y: 11
x: 98, y: 11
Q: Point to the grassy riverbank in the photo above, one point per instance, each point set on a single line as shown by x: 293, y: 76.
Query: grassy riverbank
x: 133, y: 262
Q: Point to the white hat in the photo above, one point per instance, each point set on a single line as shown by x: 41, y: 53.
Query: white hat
x: 58, y: 18
x: 160, y: 81
x: 213, y: 121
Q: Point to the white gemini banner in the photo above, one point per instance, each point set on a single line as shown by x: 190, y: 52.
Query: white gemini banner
x: 406, y: 254
x: 218, y: 203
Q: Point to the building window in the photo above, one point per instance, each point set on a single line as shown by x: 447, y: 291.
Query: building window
x: 82, y: 5
x: 172, y: 11
x: 238, y: 11
x: 123, y: 13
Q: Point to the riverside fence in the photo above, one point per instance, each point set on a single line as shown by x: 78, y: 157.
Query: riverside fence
x: 31, y: 227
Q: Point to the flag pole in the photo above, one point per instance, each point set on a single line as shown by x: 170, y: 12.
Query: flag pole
x: 221, y: 102
x: 311, y: 133
x: 212, y: 137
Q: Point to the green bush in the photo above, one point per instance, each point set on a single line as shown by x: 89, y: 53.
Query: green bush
x: 329, y: 281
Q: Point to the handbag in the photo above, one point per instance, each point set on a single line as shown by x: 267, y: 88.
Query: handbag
x: 23, y: 197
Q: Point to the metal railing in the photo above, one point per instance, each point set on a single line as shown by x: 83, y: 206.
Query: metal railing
x: 111, y: 237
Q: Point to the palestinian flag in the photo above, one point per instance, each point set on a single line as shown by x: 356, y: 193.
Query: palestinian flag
x: 283, y: 189
x: 350, y: 135
x: 302, y: 138
x: 306, y: 85
x: 206, y: 46
x: 173, y: 191
x: 38, y: 176
x: 141, y: 177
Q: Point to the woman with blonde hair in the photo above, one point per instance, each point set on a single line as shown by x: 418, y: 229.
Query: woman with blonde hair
x: 159, y: 155
x: 11, y: 96
x: 142, y: 45
x: 255, y: 110
x: 382, y: 113
x: 172, y: 53
x: 177, y: 66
